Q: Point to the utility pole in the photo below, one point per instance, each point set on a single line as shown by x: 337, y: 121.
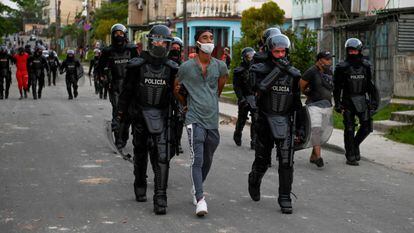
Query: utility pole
x: 87, y: 21
x: 57, y: 31
x: 185, y: 30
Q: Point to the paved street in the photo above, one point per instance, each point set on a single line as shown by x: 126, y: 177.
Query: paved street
x: 58, y: 174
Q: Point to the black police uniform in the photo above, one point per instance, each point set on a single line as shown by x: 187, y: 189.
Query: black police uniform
x: 277, y: 102
x: 37, y: 64
x: 175, y: 55
x: 112, y: 64
x: 54, y: 65
x: 147, y: 97
x: 71, y: 66
x: 243, y: 90
x: 356, y: 95
x: 5, y: 74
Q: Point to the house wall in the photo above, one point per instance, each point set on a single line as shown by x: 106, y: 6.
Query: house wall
x: 234, y: 28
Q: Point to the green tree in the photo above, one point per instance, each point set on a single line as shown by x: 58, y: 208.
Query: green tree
x: 253, y: 22
x: 109, y: 14
x: 303, y: 49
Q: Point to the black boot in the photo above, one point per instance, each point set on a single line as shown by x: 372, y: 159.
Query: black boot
x: 39, y: 94
x: 357, y: 153
x: 255, y: 179
x: 6, y: 93
x: 140, y: 183
x: 1, y: 95
x: 21, y: 96
x: 25, y: 94
x: 160, y: 188
x: 285, y: 203
x: 237, y: 138
x: 351, y: 160
x: 140, y: 191
x: 160, y: 204
x: 285, y: 187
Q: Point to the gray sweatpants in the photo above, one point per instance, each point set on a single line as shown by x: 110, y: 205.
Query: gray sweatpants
x: 203, y: 143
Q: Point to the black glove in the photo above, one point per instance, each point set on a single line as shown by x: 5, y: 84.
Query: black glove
x: 373, y: 109
x: 243, y: 103
x: 116, y: 123
x: 339, y: 108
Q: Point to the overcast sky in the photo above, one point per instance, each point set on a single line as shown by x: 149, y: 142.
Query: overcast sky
x: 9, y: 3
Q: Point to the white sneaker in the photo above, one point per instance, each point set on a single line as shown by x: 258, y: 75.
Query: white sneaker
x: 193, y: 195
x: 201, y: 208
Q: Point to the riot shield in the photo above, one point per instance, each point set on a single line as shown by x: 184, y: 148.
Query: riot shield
x: 314, y: 124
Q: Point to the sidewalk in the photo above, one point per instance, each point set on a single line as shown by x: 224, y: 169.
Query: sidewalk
x: 375, y: 148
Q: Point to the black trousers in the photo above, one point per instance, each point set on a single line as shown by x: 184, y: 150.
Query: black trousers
x: 71, y: 83
x: 37, y: 82
x: 242, y: 118
x: 352, y: 140
x: 265, y: 142
x: 156, y: 146
x: 5, y: 79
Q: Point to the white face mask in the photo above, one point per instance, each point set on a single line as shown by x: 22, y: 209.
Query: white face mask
x: 206, y: 47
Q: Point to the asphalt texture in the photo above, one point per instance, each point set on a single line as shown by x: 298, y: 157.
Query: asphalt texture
x: 58, y: 174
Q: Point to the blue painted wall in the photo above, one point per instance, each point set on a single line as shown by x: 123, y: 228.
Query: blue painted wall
x: 233, y: 28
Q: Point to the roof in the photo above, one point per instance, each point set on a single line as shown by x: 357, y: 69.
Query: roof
x: 373, y: 19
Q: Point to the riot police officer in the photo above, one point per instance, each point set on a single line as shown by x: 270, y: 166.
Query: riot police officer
x: 5, y: 73
x: 246, y: 99
x: 54, y: 65
x: 277, y: 84
x: 261, y: 56
x: 93, y: 67
x: 147, y: 98
x: 37, y: 64
x: 175, y: 55
x: 71, y: 66
x: 355, y: 95
x: 112, y: 65
x: 176, y: 50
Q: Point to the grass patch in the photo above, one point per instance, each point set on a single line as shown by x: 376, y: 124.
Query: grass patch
x: 231, y: 96
x: 385, y: 113
x: 403, y: 97
x: 404, y: 134
x: 337, y: 120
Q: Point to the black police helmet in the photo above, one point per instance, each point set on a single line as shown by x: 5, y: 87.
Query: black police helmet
x: 247, y: 54
x: 39, y: 48
x: 270, y: 32
x: 278, y: 41
x: 353, y: 43
x: 156, y: 34
x: 118, y: 27
x: 177, y: 40
x: 3, y: 49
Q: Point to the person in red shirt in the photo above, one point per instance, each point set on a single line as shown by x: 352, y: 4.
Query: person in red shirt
x: 22, y: 75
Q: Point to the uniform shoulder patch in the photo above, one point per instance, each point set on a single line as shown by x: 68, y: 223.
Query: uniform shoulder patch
x: 135, y: 62
x: 366, y: 63
x: 171, y: 64
x: 260, y: 68
x: 342, y: 65
x: 294, y: 72
x: 239, y: 69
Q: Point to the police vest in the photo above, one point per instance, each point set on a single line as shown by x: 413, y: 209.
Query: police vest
x: 119, y: 63
x: 154, y: 86
x: 37, y: 66
x: 52, y: 63
x: 356, y: 80
x: 278, y: 99
x: 71, y: 67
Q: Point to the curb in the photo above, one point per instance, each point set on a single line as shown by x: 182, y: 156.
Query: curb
x: 327, y: 146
